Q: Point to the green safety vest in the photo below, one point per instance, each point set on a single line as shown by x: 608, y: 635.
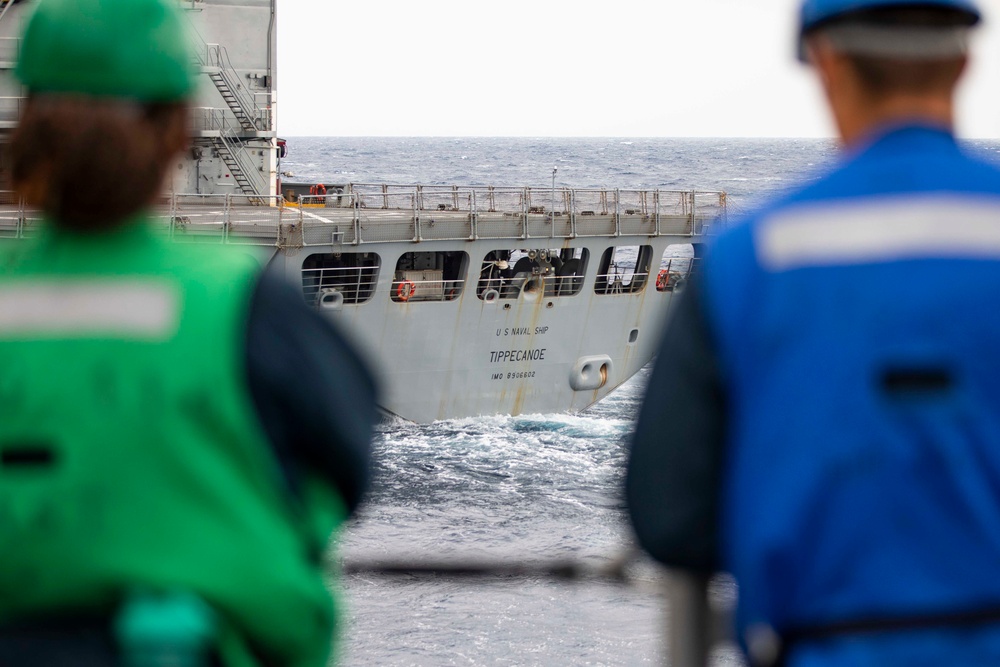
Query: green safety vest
x: 131, y: 452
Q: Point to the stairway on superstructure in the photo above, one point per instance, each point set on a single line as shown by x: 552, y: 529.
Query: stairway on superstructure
x: 215, y: 63
x: 232, y: 152
x: 252, y: 120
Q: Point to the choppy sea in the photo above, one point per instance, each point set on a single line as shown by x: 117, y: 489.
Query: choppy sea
x: 528, y: 488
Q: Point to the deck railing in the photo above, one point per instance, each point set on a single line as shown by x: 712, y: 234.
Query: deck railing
x: 10, y: 47
x: 356, y: 284
x: 217, y: 119
x: 492, y: 285
x: 11, y: 109
x: 356, y: 214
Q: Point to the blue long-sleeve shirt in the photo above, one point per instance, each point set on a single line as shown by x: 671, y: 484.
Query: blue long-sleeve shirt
x: 823, y: 420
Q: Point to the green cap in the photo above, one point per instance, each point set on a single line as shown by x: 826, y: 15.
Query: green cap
x: 135, y: 49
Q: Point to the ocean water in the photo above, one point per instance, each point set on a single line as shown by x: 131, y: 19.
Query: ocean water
x: 534, y: 487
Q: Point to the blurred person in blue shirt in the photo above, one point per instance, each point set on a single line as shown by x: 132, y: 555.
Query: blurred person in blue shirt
x: 823, y: 420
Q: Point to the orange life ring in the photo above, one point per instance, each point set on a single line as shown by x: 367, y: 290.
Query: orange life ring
x: 405, y: 290
x: 662, y: 280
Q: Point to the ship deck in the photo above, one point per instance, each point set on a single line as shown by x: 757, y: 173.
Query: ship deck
x: 381, y: 213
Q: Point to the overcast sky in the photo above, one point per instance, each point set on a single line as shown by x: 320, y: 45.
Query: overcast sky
x: 697, y: 68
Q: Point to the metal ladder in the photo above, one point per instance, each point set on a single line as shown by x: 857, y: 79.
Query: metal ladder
x: 244, y: 173
x: 232, y: 101
x: 214, y: 61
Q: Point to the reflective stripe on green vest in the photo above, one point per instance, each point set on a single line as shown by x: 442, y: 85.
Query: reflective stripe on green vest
x: 131, y: 454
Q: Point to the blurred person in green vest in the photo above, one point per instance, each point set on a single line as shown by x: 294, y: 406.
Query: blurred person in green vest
x: 179, y: 433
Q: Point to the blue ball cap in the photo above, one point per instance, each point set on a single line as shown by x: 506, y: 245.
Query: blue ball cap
x: 817, y: 12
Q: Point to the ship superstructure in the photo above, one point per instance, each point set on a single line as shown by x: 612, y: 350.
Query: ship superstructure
x: 233, y: 44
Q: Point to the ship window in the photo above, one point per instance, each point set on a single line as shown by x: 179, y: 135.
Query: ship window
x: 624, y: 269
x: 506, y: 273
x: 429, y: 276
x: 353, y: 274
x: 676, y: 266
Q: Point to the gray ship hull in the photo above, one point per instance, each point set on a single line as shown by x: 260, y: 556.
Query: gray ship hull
x: 470, y: 356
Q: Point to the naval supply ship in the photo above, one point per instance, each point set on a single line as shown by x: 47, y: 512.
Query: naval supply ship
x: 465, y: 300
